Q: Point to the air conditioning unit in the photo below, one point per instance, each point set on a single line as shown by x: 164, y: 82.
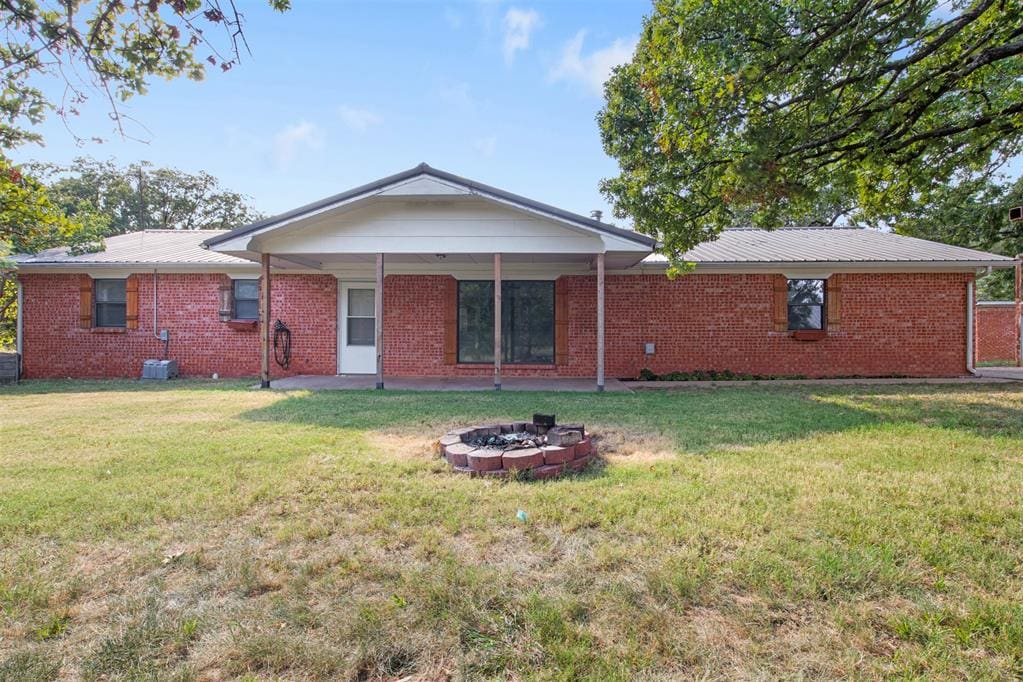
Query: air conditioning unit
x: 159, y: 370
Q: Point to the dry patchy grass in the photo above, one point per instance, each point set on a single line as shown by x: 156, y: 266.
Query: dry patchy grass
x: 204, y: 532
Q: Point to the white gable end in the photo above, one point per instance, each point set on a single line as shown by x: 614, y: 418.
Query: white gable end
x: 424, y: 186
x: 424, y: 226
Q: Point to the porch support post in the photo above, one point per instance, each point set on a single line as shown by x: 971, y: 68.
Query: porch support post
x: 497, y: 322
x: 600, y: 322
x: 379, y: 314
x: 264, y: 314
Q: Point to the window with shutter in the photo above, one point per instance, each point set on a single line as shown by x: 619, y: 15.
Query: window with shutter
x: 110, y: 303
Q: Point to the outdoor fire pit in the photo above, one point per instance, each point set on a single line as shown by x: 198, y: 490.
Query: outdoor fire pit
x: 537, y: 449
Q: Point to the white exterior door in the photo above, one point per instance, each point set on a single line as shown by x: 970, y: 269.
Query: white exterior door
x: 357, y: 348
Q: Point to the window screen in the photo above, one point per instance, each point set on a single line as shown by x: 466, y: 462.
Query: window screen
x: 527, y: 322
x: 806, y: 304
x: 110, y: 303
x: 361, y: 317
x: 246, y: 299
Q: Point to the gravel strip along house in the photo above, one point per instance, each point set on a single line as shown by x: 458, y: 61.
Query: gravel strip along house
x: 425, y: 273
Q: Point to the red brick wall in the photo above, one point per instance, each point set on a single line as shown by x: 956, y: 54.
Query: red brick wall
x: 996, y: 333
x: 904, y: 324
x: 56, y: 347
x: 892, y: 324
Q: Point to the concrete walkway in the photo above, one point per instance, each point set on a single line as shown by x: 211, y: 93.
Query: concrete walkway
x: 1009, y: 373
x: 362, y: 381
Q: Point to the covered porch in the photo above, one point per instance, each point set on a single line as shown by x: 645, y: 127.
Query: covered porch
x: 494, y: 258
x: 404, y: 383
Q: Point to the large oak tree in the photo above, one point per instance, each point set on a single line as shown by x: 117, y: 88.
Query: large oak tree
x: 773, y: 112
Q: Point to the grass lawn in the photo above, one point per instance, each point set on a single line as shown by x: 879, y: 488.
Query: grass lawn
x: 208, y: 531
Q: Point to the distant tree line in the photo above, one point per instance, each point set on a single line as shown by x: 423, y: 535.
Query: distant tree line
x: 89, y: 200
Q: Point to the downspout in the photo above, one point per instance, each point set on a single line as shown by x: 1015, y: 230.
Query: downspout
x: 19, y: 328
x: 160, y: 336
x: 969, y: 328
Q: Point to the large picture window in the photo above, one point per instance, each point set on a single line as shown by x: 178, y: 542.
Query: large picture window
x: 527, y: 322
x: 806, y: 304
x: 110, y: 307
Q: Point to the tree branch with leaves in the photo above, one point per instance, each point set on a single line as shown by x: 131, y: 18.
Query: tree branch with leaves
x: 783, y: 111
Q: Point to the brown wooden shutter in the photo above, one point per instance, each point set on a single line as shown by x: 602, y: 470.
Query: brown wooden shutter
x: 833, y: 300
x: 781, y: 303
x: 450, y: 321
x: 560, y: 324
x: 85, y: 302
x: 225, y: 299
x: 131, y: 300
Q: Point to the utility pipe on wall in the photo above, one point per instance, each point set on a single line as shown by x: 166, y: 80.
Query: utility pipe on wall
x: 19, y: 329
x: 164, y: 335
x: 969, y: 327
x: 1018, y: 290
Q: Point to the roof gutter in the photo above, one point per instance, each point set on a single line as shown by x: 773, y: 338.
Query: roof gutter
x: 823, y: 265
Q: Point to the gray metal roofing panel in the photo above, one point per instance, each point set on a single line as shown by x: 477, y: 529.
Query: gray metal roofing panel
x: 825, y: 245
x: 425, y: 169
x: 739, y: 246
x: 140, y: 248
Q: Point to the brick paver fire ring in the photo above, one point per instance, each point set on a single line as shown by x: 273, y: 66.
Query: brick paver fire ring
x: 533, y: 450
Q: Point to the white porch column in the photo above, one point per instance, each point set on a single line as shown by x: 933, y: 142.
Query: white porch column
x: 497, y: 322
x: 379, y: 314
x: 264, y: 314
x: 600, y: 322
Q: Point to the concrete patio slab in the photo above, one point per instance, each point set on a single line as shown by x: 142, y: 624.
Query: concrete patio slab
x: 362, y: 381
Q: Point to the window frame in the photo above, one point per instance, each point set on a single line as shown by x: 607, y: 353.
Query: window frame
x: 349, y: 317
x: 458, y: 322
x: 823, y: 305
x: 96, y: 303
x: 235, y: 299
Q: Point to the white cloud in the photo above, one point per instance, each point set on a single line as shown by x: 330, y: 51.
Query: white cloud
x: 359, y: 120
x: 518, y: 25
x: 591, y: 70
x: 294, y: 139
x: 485, y: 146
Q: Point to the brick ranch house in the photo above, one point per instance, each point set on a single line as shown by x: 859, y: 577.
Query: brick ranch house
x: 397, y: 278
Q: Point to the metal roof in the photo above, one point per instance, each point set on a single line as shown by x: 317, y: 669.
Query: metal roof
x: 424, y: 169
x: 803, y: 245
x: 148, y: 247
x: 810, y: 245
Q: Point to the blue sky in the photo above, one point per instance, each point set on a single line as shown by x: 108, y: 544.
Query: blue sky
x: 336, y: 94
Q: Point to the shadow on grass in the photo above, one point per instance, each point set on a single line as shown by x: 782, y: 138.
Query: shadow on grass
x: 694, y: 420
x: 691, y: 420
x: 59, y: 386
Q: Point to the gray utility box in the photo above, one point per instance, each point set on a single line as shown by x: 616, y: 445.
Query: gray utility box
x: 9, y: 365
x: 160, y: 370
